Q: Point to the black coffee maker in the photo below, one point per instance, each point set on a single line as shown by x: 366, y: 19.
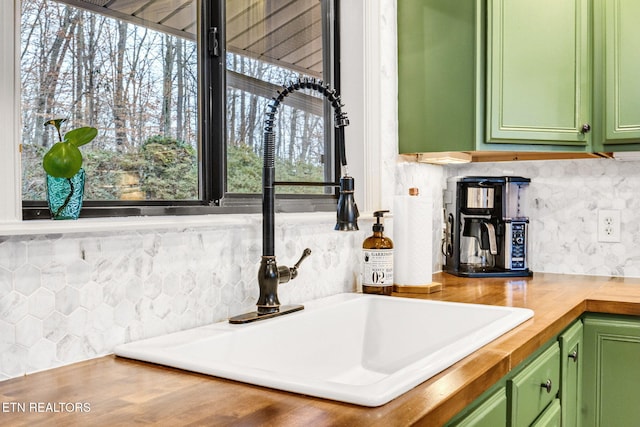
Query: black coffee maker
x: 486, y: 226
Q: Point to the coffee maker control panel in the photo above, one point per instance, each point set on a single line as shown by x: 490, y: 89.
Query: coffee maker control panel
x: 518, y: 245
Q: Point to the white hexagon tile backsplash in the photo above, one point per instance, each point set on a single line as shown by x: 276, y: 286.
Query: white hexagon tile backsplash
x: 563, y: 202
x: 66, y: 298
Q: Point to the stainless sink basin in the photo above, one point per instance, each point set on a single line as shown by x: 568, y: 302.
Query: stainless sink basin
x: 355, y: 348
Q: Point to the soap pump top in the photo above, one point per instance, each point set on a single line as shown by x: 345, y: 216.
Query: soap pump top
x: 379, y: 225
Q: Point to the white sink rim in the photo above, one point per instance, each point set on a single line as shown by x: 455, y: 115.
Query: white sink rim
x: 175, y: 350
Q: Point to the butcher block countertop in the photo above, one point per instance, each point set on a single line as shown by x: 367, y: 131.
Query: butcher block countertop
x: 112, y: 391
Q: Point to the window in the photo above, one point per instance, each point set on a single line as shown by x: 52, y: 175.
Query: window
x: 176, y: 134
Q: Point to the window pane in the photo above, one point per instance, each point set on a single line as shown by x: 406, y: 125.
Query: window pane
x: 270, y: 43
x: 134, y: 80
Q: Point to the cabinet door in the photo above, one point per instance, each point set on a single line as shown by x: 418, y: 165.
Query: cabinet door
x: 439, y: 65
x: 491, y: 413
x: 538, y: 74
x: 534, y: 387
x: 611, y: 375
x: 617, y: 65
x: 571, y: 352
x: 551, y: 417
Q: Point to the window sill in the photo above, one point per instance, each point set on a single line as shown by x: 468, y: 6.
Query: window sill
x: 182, y: 222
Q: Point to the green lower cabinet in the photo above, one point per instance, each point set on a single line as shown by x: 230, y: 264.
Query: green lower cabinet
x: 571, y: 354
x: 544, y: 390
x: 551, y: 417
x: 535, y: 387
x: 588, y: 377
x: 611, y: 375
x: 491, y: 413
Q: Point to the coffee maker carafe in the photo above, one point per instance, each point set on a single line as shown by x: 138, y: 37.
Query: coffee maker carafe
x: 478, y: 245
x: 486, y: 226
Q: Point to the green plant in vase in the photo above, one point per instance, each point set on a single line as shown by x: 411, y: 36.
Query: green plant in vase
x: 63, y: 165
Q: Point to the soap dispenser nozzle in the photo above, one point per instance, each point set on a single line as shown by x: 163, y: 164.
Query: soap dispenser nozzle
x: 379, y: 225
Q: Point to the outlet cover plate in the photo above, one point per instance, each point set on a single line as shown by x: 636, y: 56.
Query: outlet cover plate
x: 608, y: 225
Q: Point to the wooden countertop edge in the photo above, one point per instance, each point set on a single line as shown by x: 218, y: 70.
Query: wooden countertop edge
x: 613, y: 307
x: 593, y: 304
x: 473, y: 382
x: 513, y: 354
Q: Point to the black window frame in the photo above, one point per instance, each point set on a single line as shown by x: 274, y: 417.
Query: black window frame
x: 212, y: 148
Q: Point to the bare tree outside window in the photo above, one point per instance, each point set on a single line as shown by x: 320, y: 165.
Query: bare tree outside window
x: 270, y: 44
x: 122, y: 79
x: 139, y: 86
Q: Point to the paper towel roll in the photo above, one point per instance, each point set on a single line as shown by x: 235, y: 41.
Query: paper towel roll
x: 412, y: 224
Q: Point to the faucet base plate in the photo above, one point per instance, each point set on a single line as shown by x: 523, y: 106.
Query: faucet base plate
x: 254, y: 316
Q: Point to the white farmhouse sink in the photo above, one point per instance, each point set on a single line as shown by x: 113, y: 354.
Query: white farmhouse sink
x: 355, y: 348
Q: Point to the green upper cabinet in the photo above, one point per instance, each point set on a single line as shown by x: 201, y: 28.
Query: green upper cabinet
x: 538, y: 73
x: 544, y: 76
x: 493, y: 75
x: 440, y: 70
x: 616, y: 75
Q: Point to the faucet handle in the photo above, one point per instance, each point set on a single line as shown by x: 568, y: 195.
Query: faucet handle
x: 294, y: 269
x: 285, y: 273
x: 305, y: 254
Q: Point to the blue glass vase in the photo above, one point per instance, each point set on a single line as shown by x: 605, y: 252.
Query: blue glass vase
x: 65, y: 195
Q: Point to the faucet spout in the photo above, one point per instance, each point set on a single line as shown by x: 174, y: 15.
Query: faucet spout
x: 270, y: 275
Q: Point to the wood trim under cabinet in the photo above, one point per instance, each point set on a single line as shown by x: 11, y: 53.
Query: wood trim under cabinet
x: 510, y: 156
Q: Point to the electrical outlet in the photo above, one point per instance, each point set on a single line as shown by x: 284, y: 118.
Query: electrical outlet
x: 608, y: 225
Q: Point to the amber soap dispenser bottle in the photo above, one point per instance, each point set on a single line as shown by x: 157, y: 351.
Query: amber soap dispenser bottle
x: 377, y: 251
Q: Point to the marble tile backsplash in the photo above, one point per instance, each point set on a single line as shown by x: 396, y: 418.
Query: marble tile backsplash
x: 65, y: 298
x: 564, y: 198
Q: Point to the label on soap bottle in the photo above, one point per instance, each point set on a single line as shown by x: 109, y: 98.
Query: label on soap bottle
x: 378, y: 267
